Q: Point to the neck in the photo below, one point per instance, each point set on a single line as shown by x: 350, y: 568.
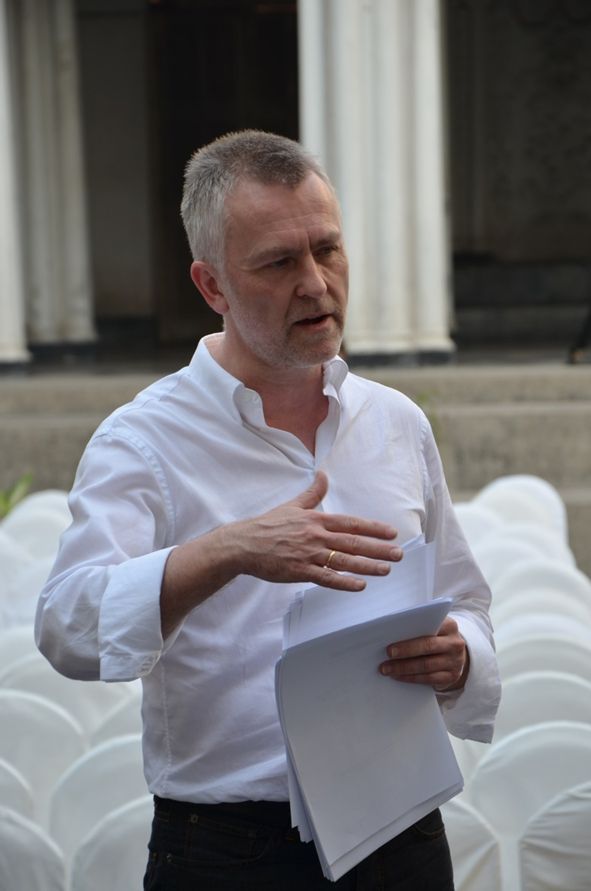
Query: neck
x: 298, y: 409
x: 293, y: 398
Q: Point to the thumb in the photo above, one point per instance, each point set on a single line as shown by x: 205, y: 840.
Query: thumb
x: 312, y: 496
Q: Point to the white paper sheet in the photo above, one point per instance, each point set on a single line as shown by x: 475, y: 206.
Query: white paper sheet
x: 320, y: 611
x: 367, y: 755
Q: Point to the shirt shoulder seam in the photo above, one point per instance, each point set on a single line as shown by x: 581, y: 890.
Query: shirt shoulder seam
x: 149, y: 456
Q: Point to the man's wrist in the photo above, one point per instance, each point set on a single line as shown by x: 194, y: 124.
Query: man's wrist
x: 461, y: 681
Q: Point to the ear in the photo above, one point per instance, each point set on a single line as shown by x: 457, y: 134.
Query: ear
x: 206, y: 280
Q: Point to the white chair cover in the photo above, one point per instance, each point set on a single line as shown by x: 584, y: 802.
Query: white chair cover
x: 13, y: 560
x: 525, y: 602
x: 540, y: 625
x: 16, y: 642
x: 21, y: 594
x: 476, y: 520
x: 36, y: 529
x: 525, y: 497
x: 545, y: 542
x: 539, y: 652
x: 540, y: 696
x: 41, y: 740
x: 494, y: 553
x: 114, y: 855
x: 468, y: 753
x: 55, y: 500
x: 29, y: 860
x: 15, y: 791
x: 555, y: 848
x: 87, y: 701
x: 29, y: 538
x: 103, y: 779
x: 13, y: 555
x: 474, y: 848
x: 123, y: 719
x: 523, y: 772
x: 543, y: 574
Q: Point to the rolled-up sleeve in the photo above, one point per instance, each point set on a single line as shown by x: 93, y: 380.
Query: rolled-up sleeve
x: 98, y: 616
x: 468, y: 713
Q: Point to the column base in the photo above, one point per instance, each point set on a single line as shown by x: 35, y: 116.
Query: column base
x: 14, y: 357
x: 63, y: 353
x: 401, y: 359
x: 14, y: 368
x: 436, y: 357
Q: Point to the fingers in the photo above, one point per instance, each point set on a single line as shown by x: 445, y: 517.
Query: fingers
x: 296, y: 542
x: 348, y: 547
x: 351, y: 528
x: 368, y: 558
x: 342, y: 571
x: 353, y: 544
x: 440, y: 660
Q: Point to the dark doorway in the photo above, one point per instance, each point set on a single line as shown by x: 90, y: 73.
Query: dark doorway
x: 520, y: 163
x: 213, y: 66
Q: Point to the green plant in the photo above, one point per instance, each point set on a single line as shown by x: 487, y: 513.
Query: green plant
x: 11, y: 496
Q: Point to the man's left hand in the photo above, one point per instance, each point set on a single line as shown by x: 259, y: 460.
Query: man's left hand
x: 441, y: 660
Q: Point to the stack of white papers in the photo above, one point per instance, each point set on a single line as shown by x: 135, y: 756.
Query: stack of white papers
x: 367, y: 755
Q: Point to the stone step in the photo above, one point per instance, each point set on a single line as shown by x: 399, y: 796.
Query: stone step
x: 476, y: 384
x: 58, y: 394
x: 473, y: 384
x: 477, y: 442
x: 48, y: 446
x: 489, y: 421
x: 481, y: 442
x: 477, y: 445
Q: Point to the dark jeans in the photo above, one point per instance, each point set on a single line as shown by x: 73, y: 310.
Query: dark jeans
x: 249, y: 846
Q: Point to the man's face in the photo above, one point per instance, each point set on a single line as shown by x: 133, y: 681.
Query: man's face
x: 286, y: 274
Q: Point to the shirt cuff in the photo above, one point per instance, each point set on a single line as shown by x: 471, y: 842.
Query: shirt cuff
x: 469, y: 713
x: 130, y: 635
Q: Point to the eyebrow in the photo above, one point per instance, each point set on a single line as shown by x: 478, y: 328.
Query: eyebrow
x: 267, y: 255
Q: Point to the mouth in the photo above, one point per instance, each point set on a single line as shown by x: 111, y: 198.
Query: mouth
x: 313, y: 321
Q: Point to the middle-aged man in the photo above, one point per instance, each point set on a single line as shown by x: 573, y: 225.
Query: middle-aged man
x: 202, y: 507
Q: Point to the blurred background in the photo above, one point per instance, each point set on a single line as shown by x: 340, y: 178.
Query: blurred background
x: 458, y: 134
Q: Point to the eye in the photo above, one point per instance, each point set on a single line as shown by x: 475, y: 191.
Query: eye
x: 326, y: 250
x: 280, y: 263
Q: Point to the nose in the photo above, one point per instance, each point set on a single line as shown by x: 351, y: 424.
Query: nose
x: 311, y: 281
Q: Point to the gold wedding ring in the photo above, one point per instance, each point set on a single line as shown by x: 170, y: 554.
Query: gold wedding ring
x: 330, y: 556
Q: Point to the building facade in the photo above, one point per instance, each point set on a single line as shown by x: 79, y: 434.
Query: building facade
x: 456, y: 132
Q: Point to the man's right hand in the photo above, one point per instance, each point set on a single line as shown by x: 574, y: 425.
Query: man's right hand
x: 293, y: 542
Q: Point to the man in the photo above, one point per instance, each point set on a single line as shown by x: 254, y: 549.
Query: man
x: 202, y: 507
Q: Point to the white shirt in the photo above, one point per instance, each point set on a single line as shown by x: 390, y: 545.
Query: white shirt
x: 192, y: 452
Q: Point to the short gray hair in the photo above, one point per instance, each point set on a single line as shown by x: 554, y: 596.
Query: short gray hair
x: 214, y: 170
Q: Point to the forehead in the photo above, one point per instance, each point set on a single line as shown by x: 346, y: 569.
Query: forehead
x: 275, y: 212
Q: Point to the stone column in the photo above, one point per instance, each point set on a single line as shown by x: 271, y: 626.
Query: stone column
x: 12, y: 299
x: 432, y: 228
x: 371, y: 109
x: 77, y: 305
x: 58, y: 278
